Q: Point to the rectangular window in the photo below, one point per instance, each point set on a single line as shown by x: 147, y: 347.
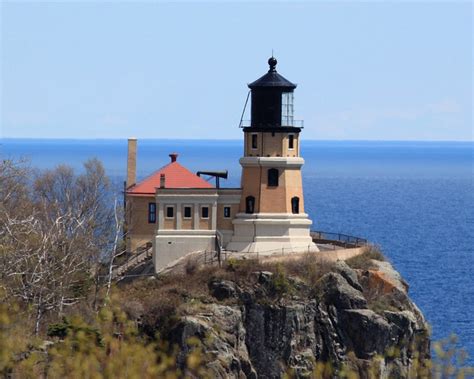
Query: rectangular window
x: 187, y: 212
x: 287, y: 109
x: 254, y: 141
x: 205, y: 212
x: 291, y: 141
x: 226, y: 212
x: 151, y: 213
x: 169, y: 212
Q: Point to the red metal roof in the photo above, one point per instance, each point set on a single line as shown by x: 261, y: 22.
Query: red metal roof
x: 176, y: 176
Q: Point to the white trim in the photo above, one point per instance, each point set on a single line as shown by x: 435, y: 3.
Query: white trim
x: 186, y: 232
x: 178, y: 217
x: 166, y: 212
x: 271, y: 215
x: 196, y: 216
x: 287, y: 162
x: 214, y: 216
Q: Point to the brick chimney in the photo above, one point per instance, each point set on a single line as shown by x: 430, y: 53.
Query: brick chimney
x: 132, y: 162
x: 174, y: 157
x: 162, y: 180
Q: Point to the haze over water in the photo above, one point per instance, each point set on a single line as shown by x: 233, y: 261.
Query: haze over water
x: 414, y: 199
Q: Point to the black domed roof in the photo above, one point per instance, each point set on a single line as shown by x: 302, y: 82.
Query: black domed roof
x: 272, y: 78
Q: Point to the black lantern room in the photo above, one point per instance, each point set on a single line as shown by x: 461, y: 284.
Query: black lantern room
x: 272, y: 101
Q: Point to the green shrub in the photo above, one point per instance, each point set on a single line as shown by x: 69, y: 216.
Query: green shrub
x: 280, y: 285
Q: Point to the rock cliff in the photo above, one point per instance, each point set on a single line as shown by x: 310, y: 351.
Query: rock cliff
x: 321, y: 322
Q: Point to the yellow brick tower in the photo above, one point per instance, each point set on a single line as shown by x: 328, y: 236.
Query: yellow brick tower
x: 271, y: 215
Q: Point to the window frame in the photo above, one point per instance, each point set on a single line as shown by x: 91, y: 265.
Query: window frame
x: 184, y: 212
x: 166, y: 212
x: 252, y: 200
x: 252, y: 141
x: 230, y: 211
x: 202, y: 208
x: 271, y: 179
x: 150, y: 213
x: 291, y: 141
x: 287, y: 109
x: 295, y: 200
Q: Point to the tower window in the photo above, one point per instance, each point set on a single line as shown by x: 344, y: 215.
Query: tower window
x: 273, y: 177
x: 295, y: 205
x: 226, y: 212
x: 151, y: 213
x: 187, y: 212
x: 249, y: 204
x: 291, y: 141
x: 205, y: 212
x: 170, y: 212
x: 254, y: 141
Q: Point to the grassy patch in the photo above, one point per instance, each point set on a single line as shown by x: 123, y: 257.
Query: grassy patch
x: 380, y: 304
x: 362, y: 261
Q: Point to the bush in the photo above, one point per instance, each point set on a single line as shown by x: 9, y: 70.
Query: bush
x: 280, y: 285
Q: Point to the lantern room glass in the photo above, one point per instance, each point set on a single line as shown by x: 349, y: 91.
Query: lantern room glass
x: 287, y: 109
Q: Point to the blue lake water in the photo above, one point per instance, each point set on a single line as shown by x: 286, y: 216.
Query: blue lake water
x: 414, y: 199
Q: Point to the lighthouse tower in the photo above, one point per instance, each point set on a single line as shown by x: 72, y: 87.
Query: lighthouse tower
x: 271, y: 214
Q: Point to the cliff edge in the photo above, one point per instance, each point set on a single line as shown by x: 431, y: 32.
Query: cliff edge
x: 298, y: 318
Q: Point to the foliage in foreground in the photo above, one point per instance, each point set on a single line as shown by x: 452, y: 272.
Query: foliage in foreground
x: 112, y: 347
x: 109, y: 348
x: 55, y: 229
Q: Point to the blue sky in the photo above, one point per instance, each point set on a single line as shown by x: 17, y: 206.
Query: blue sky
x: 365, y: 70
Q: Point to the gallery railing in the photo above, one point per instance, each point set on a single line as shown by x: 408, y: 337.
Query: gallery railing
x: 293, y: 123
x: 337, y: 239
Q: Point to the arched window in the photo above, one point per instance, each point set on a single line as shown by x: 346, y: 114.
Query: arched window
x: 295, y: 204
x: 249, y: 204
x: 273, y: 177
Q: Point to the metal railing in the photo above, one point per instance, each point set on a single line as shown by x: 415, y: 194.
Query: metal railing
x: 210, y: 257
x: 140, y: 254
x: 293, y: 123
x: 337, y: 239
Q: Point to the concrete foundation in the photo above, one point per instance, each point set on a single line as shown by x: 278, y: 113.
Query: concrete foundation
x: 170, y: 245
x: 271, y: 232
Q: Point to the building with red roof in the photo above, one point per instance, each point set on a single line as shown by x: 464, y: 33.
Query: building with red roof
x: 175, y: 209
x: 173, y: 175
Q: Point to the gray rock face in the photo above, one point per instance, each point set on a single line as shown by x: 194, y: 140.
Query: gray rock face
x: 338, y: 292
x: 222, y: 289
x: 258, y: 338
x: 347, y: 273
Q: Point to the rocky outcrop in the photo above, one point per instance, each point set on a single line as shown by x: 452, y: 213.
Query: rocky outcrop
x: 353, y: 320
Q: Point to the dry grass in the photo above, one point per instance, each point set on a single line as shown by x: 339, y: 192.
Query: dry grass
x: 362, y: 261
x: 157, y: 303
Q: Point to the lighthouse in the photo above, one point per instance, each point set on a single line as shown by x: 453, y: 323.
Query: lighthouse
x: 271, y: 212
